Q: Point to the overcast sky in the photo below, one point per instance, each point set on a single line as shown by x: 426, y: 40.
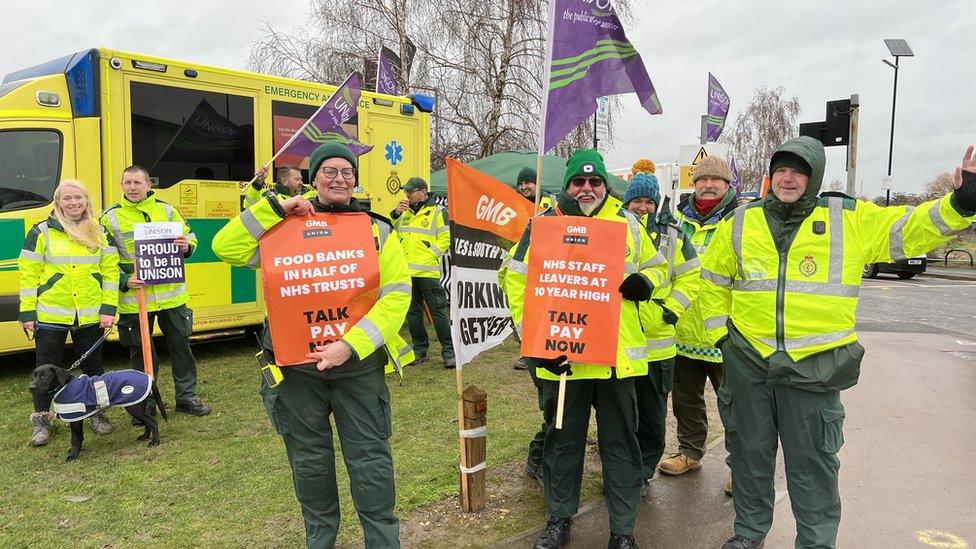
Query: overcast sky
x: 818, y: 51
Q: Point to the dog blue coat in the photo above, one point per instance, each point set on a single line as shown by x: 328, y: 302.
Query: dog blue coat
x: 84, y: 395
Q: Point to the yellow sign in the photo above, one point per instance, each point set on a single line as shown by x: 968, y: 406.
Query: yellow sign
x: 187, y: 211
x: 221, y: 208
x: 188, y: 193
x: 690, y: 155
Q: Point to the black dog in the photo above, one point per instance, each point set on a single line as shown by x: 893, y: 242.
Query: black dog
x: 77, y: 398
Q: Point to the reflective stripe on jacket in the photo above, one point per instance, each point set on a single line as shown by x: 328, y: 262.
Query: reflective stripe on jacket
x: 426, y: 236
x: 641, y: 257
x: 61, y: 279
x: 680, y: 285
x: 803, y: 301
x: 238, y: 243
x: 119, y: 221
x: 692, y: 341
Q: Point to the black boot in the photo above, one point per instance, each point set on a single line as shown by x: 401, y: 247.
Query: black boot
x: 555, y: 535
x: 742, y: 542
x: 622, y: 541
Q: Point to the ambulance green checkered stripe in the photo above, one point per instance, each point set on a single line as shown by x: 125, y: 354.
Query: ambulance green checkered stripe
x: 243, y: 282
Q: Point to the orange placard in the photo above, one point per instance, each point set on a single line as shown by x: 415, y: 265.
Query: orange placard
x: 321, y: 275
x: 479, y: 201
x: 572, y: 301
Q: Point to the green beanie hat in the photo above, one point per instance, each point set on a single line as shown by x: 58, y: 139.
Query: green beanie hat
x: 585, y: 162
x: 415, y: 183
x: 526, y: 174
x: 327, y: 150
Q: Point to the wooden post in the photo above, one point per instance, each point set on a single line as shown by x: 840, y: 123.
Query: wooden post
x: 145, y: 336
x: 474, y: 402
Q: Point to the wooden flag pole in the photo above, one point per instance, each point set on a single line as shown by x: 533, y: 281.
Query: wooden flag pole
x: 465, y: 487
x: 145, y: 337
x: 561, y: 401
x: 538, y: 206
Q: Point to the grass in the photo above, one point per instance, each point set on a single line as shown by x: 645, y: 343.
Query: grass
x: 223, y: 480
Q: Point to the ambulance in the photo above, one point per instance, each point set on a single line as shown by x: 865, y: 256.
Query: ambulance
x: 200, y: 131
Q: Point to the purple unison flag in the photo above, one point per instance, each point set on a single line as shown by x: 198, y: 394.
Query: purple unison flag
x: 340, y: 106
x: 718, y: 109
x: 387, y: 79
x: 736, y: 182
x: 589, y: 56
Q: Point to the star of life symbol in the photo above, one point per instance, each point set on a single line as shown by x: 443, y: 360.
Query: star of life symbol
x: 394, y: 152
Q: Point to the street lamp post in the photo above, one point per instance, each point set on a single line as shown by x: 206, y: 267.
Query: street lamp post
x: 898, y: 48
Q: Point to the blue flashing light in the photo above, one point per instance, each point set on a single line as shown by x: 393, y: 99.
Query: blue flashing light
x: 44, y: 69
x: 82, y: 76
x: 406, y: 109
x: 423, y: 102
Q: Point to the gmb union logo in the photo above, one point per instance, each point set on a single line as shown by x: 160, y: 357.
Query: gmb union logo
x: 808, y: 267
x: 316, y: 223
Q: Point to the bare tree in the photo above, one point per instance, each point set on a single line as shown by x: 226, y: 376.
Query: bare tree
x: 482, y: 61
x: 940, y: 186
x: 768, y: 121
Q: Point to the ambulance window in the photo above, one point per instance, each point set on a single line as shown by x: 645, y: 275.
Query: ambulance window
x: 182, y: 134
x: 30, y: 164
x: 286, y: 118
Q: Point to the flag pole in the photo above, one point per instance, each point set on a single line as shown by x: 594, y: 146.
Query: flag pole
x: 547, y: 67
x: 302, y: 129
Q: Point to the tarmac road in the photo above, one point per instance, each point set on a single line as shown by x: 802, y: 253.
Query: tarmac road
x: 908, y: 474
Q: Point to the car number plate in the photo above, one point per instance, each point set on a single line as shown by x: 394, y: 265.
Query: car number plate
x: 914, y: 261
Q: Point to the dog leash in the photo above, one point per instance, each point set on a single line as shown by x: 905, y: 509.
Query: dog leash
x: 96, y: 345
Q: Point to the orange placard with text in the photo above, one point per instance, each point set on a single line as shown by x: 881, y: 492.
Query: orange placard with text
x: 321, y: 275
x: 572, y: 301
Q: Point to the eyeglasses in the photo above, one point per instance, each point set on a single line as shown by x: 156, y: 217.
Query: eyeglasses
x: 332, y: 173
x: 580, y: 181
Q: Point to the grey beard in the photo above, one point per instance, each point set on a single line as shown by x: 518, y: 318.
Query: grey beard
x: 588, y: 208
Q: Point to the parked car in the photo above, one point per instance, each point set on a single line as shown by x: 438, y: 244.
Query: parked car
x: 905, y: 268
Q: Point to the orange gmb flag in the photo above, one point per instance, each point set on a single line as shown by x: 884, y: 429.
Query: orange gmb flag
x: 481, y: 202
x: 321, y: 275
x: 572, y: 301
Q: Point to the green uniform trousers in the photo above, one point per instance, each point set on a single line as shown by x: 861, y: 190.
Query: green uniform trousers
x: 176, y: 325
x: 536, y: 444
x: 429, y: 291
x: 810, y: 425
x: 563, y: 450
x: 688, y: 402
x: 652, y: 410
x: 300, y: 408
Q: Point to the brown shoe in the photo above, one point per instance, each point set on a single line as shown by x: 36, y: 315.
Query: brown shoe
x: 728, y: 487
x: 678, y: 464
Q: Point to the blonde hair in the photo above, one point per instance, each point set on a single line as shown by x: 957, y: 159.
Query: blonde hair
x: 86, y: 230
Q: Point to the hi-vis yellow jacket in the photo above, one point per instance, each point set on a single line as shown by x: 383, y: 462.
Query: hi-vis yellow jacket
x: 803, y: 301
x: 238, y: 243
x: 119, y: 221
x: 692, y: 341
x: 426, y: 236
x: 675, y: 293
x: 252, y: 195
x: 61, y: 279
x: 642, y: 257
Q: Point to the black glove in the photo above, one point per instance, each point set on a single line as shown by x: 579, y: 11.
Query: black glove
x: 557, y: 366
x: 965, y: 196
x: 669, y: 316
x: 636, y: 287
x: 258, y: 184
